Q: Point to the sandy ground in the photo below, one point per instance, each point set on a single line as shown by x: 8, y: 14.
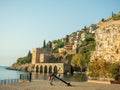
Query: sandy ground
x: 58, y: 85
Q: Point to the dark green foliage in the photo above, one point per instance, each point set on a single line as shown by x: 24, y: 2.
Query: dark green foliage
x: 49, y: 45
x: 115, y: 16
x: 78, y: 62
x: 103, y: 20
x: 44, y: 44
x: 100, y: 68
x: 87, y: 45
x: 114, y: 70
x: 69, y: 58
x: 60, y: 44
x: 89, y: 38
x: 85, y: 28
x: 67, y: 38
x: 26, y: 59
x: 84, y: 43
x: 94, y: 26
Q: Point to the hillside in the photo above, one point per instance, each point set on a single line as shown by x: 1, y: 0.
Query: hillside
x: 82, y: 42
x: 105, y: 60
x: 107, y: 39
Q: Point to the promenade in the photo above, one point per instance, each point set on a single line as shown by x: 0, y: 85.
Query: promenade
x: 58, y: 85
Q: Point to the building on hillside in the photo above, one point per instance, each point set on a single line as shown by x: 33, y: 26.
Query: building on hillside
x: 76, y: 40
x: 70, y: 39
x: 78, y: 35
x: 78, y: 32
x: 91, y: 30
x: 83, y: 35
x: 43, y: 62
x: 74, y: 47
x: 69, y: 48
x: 61, y: 50
x: 54, y: 45
x: 63, y: 39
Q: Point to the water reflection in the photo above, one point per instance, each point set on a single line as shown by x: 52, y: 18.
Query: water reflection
x: 74, y: 77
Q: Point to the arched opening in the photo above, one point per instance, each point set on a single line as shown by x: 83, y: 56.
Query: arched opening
x: 37, y: 68
x: 50, y: 69
x: 41, y: 69
x: 45, y: 69
x: 55, y: 69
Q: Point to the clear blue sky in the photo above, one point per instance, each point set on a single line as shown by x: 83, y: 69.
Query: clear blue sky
x: 24, y: 24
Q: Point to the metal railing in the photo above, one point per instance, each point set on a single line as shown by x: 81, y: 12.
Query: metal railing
x: 24, y: 76
x: 15, y: 81
x: 9, y: 81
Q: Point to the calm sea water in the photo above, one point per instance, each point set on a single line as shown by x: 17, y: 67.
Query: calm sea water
x: 9, y: 74
x: 13, y: 74
x: 74, y: 77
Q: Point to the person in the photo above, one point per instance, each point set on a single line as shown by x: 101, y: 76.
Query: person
x: 51, y: 79
x: 60, y: 77
x: 30, y: 76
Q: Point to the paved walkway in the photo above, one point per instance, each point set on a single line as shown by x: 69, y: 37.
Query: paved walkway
x: 58, y: 85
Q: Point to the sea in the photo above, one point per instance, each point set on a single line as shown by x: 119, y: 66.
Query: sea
x: 9, y: 74
x: 14, y: 74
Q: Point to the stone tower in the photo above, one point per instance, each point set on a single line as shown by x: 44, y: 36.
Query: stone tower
x: 40, y: 55
x: 35, y: 55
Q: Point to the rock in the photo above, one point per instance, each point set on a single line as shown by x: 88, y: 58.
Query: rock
x: 107, y: 38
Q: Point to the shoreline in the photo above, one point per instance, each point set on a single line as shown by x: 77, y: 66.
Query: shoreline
x: 58, y: 85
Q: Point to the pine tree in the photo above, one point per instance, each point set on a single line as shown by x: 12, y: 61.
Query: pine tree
x: 44, y: 44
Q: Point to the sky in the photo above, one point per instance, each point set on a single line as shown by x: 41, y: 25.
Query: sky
x: 25, y: 24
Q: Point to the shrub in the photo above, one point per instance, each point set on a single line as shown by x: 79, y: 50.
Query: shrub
x: 114, y: 70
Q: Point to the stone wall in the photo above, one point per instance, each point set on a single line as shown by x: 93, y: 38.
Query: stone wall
x: 52, y: 67
x: 107, y: 38
x: 40, y: 55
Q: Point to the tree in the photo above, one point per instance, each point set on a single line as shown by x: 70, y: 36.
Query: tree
x: 98, y: 68
x: 67, y: 38
x: 114, y: 70
x: 85, y: 28
x: 69, y: 58
x: 26, y: 59
x: 29, y: 57
x: 44, y: 44
x: 60, y: 44
x: 102, y: 19
x: 87, y: 57
x: 49, y: 45
x: 75, y: 60
x: 78, y: 61
x: 115, y: 16
x: 81, y: 61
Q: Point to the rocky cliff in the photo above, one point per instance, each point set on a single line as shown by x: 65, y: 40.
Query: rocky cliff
x: 107, y: 38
